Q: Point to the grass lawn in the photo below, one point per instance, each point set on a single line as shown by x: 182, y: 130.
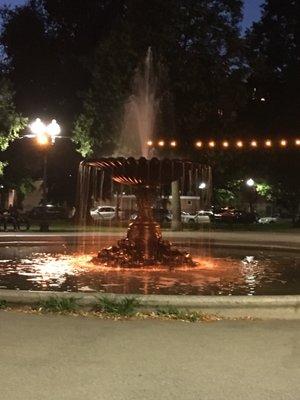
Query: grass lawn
x: 69, y: 226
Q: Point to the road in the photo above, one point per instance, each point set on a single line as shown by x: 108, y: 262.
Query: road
x: 70, y: 358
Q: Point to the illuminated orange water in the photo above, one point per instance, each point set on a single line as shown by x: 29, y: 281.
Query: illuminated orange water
x: 242, y: 274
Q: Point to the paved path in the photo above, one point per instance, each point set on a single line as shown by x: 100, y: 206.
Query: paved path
x: 72, y: 358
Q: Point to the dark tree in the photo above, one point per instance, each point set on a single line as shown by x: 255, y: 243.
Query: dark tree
x: 274, y: 56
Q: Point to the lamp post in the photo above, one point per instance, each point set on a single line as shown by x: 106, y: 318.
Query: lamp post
x: 252, y: 193
x: 45, y: 135
x: 202, y: 190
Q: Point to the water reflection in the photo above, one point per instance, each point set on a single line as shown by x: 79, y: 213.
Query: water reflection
x: 215, y: 275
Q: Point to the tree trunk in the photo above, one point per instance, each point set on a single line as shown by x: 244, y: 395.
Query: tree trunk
x: 176, y: 207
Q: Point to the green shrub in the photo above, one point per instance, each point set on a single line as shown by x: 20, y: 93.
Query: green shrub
x: 174, y: 313
x: 3, y: 304
x: 126, y: 306
x: 56, y: 304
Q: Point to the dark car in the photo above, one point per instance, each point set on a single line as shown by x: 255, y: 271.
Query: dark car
x: 232, y: 215
x: 49, y: 211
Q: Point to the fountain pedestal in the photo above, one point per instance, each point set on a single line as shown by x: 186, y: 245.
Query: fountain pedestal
x: 144, y: 231
x: 143, y: 245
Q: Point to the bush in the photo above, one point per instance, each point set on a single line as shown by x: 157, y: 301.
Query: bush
x: 56, y: 304
x: 126, y: 306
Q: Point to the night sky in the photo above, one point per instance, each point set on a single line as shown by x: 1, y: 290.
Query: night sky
x: 252, y: 10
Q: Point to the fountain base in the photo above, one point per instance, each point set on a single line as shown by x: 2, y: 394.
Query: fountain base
x: 127, y: 254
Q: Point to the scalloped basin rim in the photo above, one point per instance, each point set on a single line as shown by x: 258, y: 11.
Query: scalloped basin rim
x: 142, y: 171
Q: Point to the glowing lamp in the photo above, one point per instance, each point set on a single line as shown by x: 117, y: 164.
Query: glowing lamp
x: 161, y: 143
x: 253, y: 143
x: 212, y: 144
x: 53, y: 129
x: 283, y: 143
x: 37, y: 127
x: 42, y: 138
x: 225, y: 144
x: 202, y: 185
x: 198, y: 144
x: 297, y: 142
x: 250, y: 182
x: 239, y: 144
x: 149, y: 143
x: 268, y: 143
x: 173, y: 143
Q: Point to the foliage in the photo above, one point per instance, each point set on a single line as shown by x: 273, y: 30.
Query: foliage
x: 265, y: 190
x: 223, y: 197
x: 3, y: 304
x: 125, y: 306
x: 11, y: 122
x: 175, y: 313
x: 3, y: 164
x: 56, y: 304
x: 82, y: 135
x: 78, y: 62
x: 274, y: 57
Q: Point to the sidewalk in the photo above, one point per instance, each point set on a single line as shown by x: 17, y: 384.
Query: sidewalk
x: 74, y: 358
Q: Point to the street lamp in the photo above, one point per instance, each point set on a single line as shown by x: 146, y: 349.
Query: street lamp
x: 202, y: 186
x: 250, y: 182
x: 251, y: 193
x: 45, y: 135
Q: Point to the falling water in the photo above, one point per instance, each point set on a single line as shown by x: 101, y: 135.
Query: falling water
x: 102, y: 184
x: 140, y: 114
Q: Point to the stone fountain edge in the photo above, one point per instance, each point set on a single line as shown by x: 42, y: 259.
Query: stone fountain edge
x: 262, y: 307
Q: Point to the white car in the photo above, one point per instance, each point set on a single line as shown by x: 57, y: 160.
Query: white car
x: 198, y: 218
x: 267, y: 220
x: 104, y: 213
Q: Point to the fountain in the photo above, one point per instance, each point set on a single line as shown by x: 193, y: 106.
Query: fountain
x: 143, y: 245
x: 140, y: 111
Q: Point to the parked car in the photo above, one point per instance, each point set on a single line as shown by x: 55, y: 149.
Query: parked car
x: 49, y: 211
x: 105, y: 213
x: 198, y: 218
x: 267, y: 220
x: 232, y: 215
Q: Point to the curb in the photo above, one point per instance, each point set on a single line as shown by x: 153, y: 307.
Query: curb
x: 61, y: 239
x: 263, y: 307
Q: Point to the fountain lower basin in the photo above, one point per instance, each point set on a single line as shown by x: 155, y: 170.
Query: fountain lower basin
x: 218, y: 272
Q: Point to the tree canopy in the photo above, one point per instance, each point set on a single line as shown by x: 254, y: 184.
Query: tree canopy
x: 11, y: 122
x: 75, y: 61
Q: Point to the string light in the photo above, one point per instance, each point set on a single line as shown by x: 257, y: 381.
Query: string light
x: 283, y: 143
